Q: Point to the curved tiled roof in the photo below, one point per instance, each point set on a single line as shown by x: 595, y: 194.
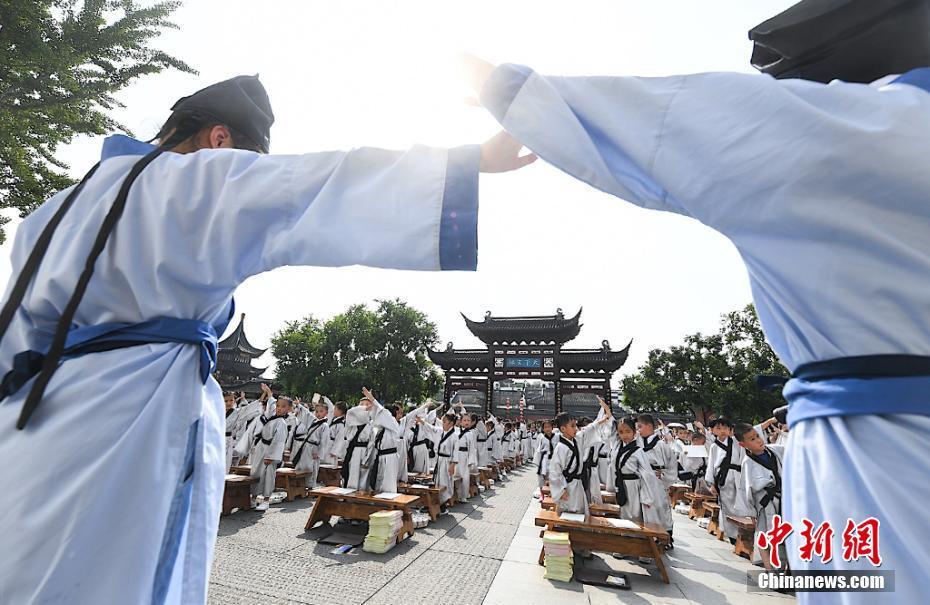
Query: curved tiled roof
x: 540, y: 328
x: 237, y: 340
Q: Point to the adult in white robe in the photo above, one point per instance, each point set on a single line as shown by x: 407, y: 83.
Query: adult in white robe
x: 834, y: 237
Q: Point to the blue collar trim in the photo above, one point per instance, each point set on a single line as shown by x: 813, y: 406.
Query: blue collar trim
x: 119, y: 144
x: 919, y: 77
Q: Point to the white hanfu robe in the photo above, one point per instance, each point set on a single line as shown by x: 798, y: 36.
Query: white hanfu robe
x: 566, y: 461
x: 664, y: 463
x: 232, y: 418
x: 383, y: 450
x: 823, y: 190
x: 404, y: 424
x: 526, y: 443
x: 466, y: 460
x: 640, y: 483
x: 756, y: 483
x: 268, y: 445
x: 544, y: 448
x: 357, y: 437
x: 446, y: 448
x: 481, y: 443
x: 728, y: 494
x: 421, y: 454
x: 337, y: 441
x: 310, y: 440
x: 194, y: 228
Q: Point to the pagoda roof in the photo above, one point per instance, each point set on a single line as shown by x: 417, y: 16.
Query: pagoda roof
x: 238, y: 341
x: 475, y: 359
x: 535, y: 328
x: 594, y: 359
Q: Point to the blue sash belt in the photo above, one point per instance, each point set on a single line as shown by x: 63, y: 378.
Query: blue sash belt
x: 869, y: 384
x: 114, y: 335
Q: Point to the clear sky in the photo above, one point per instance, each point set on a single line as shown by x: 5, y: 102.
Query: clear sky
x: 381, y: 73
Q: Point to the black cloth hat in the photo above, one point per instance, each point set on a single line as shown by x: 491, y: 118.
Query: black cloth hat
x: 241, y: 103
x: 849, y: 40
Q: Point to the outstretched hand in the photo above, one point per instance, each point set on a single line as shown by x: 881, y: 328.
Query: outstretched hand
x: 475, y: 71
x: 501, y: 153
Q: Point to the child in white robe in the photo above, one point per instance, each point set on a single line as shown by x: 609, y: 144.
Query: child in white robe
x: 634, y: 482
x: 664, y: 462
x: 565, y: 467
x: 723, y: 475
x: 383, y: 448
x: 545, y: 444
x: 232, y: 416
x: 268, y: 451
x: 337, y: 430
x: 761, y: 482
x: 310, y: 440
x: 357, y: 436
x: 466, y: 460
x: 444, y: 470
x: 482, y: 439
x: 421, y: 452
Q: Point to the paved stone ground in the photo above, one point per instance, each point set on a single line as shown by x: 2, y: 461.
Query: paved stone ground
x: 268, y: 558
x: 702, y: 570
x: 485, y: 551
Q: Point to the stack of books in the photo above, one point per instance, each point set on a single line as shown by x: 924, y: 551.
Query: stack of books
x: 558, y: 553
x: 383, y: 527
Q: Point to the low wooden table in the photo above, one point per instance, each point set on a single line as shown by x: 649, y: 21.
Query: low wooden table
x: 598, y: 533
x: 292, y: 481
x: 697, y: 504
x: 484, y: 476
x: 495, y: 471
x: 596, y: 510
x: 242, y: 469
x: 746, y: 536
x: 238, y: 493
x: 677, y: 493
x: 330, y: 474
x: 713, y: 528
x: 360, y: 505
x: 473, y: 485
x: 429, y: 494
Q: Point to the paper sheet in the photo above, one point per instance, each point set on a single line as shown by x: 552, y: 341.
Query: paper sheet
x: 696, y: 451
x: 342, y: 491
x: 623, y: 523
x: 387, y: 495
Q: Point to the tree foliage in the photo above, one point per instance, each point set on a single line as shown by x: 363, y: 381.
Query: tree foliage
x: 61, y: 62
x: 383, y: 349
x: 709, y: 374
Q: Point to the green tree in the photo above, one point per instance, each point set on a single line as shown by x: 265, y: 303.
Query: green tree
x: 709, y: 374
x: 384, y: 349
x: 61, y: 62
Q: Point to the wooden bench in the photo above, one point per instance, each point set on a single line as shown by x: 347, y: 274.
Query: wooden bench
x: 473, y: 485
x: 596, y: 510
x: 429, y: 494
x: 599, y: 534
x: 330, y: 474
x: 238, y: 493
x: 484, y: 476
x: 292, y: 481
x: 697, y: 501
x: 519, y: 460
x: 713, y: 528
x: 360, y: 505
x: 495, y: 471
x: 745, y: 537
x: 507, y: 464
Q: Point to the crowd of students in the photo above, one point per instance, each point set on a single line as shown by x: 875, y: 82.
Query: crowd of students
x: 376, y: 445
x: 639, y: 458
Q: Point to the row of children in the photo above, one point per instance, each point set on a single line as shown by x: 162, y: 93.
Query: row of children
x: 376, y: 446
x: 638, y: 459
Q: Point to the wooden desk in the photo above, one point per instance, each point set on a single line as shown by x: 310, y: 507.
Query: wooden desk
x: 359, y: 505
x: 429, y: 495
x: 242, y: 469
x: 746, y: 536
x: 292, y: 481
x: 677, y: 492
x: 713, y: 528
x: 597, y: 533
x: 330, y: 474
x: 697, y: 504
x: 484, y: 476
x: 238, y: 493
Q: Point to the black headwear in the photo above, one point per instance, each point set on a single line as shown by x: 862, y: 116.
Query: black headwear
x: 849, y: 40
x: 241, y: 103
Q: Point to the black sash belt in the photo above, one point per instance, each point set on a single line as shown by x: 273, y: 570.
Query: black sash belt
x: 390, y: 450
x: 441, y: 455
x: 865, y: 366
x: 463, y: 448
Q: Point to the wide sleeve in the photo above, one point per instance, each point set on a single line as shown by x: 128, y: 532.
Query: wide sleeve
x: 556, y: 478
x: 414, y: 209
x: 715, y: 146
